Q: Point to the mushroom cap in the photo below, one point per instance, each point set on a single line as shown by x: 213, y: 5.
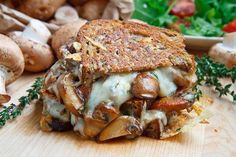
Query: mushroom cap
x: 66, y: 14
x: 40, y: 9
x: 11, y: 57
x: 38, y: 56
x: 77, y: 2
x: 223, y: 54
x: 93, y: 9
x: 66, y: 32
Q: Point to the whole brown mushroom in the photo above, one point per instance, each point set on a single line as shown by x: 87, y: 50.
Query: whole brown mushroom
x: 65, y: 33
x: 40, y: 9
x: 33, y: 43
x: 93, y: 9
x: 11, y: 65
x: 65, y: 14
x: 225, y: 52
x: 77, y: 2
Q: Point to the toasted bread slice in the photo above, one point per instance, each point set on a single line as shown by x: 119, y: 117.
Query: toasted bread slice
x: 113, y: 46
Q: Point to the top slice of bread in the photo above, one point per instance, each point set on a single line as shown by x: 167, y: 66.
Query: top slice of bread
x: 113, y: 46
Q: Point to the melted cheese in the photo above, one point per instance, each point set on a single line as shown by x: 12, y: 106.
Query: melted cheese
x: 150, y: 115
x: 165, y: 78
x: 115, y: 88
x: 78, y: 124
x: 55, y: 109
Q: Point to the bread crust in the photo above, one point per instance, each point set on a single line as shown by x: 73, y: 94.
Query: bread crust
x: 113, y: 46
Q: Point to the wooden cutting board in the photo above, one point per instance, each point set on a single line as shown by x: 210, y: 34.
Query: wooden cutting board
x: 23, y: 137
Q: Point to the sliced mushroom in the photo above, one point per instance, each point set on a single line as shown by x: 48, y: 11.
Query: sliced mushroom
x: 153, y: 122
x: 92, y: 127
x: 145, y: 86
x: 11, y: 65
x: 103, y: 114
x: 152, y: 129
x: 132, y: 108
x: 72, y: 101
x: 58, y: 125
x: 53, y: 107
x: 33, y: 43
x: 44, y: 123
x: 65, y: 33
x: 70, y: 47
x: 174, y: 103
x: 48, y: 123
x: 78, y: 124
x: 123, y: 126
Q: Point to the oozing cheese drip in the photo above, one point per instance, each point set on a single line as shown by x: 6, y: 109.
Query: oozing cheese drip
x: 150, y: 115
x: 115, y: 88
x: 55, y: 109
x: 165, y: 78
x: 78, y: 124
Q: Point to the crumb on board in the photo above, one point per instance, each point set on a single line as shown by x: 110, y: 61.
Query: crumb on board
x: 204, y: 121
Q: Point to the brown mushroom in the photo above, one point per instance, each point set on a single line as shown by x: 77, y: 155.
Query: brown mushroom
x: 70, y: 47
x: 66, y: 32
x: 93, y: 9
x: 145, y: 86
x: 40, y: 9
x: 174, y: 103
x: 103, y: 114
x: 152, y: 129
x: 132, y: 107
x: 54, y: 114
x: 33, y: 43
x: 77, y: 2
x: 92, y: 127
x: 123, y: 126
x: 72, y: 101
x: 48, y: 123
x: 153, y: 122
x: 225, y: 52
x: 11, y: 65
x: 65, y: 14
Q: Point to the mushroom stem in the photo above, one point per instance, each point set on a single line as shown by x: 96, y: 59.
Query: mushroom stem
x: 4, y: 97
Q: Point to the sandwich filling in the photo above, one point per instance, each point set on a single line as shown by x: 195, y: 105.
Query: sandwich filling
x: 113, y: 92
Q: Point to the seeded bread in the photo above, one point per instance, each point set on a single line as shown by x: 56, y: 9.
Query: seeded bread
x: 113, y: 46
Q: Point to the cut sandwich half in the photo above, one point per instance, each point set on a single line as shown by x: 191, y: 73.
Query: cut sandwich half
x: 120, y: 79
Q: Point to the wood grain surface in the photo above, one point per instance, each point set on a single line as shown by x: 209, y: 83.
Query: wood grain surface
x: 23, y: 137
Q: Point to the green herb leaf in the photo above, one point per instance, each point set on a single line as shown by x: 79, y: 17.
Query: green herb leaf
x: 12, y: 111
x: 209, y: 73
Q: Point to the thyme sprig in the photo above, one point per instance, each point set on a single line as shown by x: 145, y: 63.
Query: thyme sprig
x: 12, y: 111
x: 209, y: 73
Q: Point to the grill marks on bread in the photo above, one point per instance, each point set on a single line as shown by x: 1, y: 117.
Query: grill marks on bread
x: 112, y: 46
